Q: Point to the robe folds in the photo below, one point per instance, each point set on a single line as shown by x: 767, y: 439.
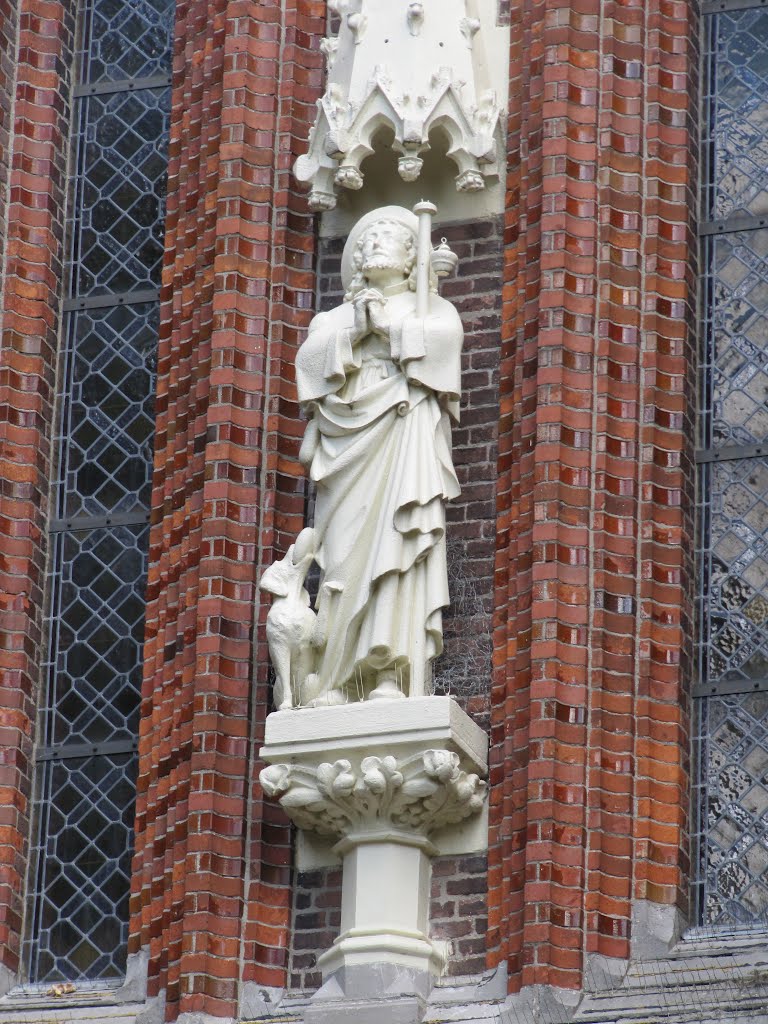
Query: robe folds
x: 381, y: 460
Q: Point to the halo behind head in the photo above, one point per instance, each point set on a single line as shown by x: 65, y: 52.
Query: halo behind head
x: 396, y: 213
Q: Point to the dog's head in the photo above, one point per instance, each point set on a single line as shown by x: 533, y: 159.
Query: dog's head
x: 294, y: 566
x: 277, y: 578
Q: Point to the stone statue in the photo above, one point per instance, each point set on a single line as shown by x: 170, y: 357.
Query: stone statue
x: 418, y: 69
x: 379, y: 378
x: 291, y: 621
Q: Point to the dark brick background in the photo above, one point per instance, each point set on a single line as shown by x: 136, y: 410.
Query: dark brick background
x: 458, y: 914
x: 316, y: 918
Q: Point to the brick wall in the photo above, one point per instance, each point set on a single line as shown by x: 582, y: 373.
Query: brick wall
x: 458, y: 915
x: 32, y: 183
x: 459, y: 912
x: 210, y: 896
x: 590, y: 720
x: 315, y: 924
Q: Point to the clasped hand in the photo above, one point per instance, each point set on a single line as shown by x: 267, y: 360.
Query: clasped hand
x: 371, y: 315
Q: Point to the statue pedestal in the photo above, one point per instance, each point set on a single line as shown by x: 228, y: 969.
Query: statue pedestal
x: 381, y: 776
x: 385, y: 903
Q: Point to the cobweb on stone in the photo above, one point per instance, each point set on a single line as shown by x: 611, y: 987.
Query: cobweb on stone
x: 463, y: 669
x: 705, y: 979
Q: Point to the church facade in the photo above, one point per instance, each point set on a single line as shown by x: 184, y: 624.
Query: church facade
x: 607, y: 556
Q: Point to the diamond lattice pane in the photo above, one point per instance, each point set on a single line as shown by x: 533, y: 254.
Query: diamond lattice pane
x: 118, y: 232
x: 108, y: 420
x: 84, y: 850
x: 97, y: 635
x: 735, y: 612
x: 738, y: 109
x: 735, y: 848
x: 127, y: 40
x: 736, y: 361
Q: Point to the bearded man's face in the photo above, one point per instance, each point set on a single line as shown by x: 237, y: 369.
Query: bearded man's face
x: 385, y: 246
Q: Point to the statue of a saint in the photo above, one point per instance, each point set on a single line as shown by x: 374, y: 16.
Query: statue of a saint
x: 379, y: 377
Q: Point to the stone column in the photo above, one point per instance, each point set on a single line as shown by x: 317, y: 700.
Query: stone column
x: 382, y: 777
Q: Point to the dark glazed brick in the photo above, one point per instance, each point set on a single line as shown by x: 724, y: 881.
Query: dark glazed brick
x: 316, y: 918
x: 462, y: 922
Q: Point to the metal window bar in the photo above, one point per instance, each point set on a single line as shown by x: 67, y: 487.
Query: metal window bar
x: 746, y: 451
x: 736, y: 222
x: 123, y: 85
x: 76, y: 929
x: 731, y: 748
x: 105, y: 301
x: 720, y: 6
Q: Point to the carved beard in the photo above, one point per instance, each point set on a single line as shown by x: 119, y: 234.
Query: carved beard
x: 381, y: 261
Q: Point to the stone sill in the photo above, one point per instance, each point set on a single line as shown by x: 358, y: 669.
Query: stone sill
x: 72, y: 1010
x: 699, y: 980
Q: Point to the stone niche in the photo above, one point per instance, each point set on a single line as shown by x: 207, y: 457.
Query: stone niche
x: 414, y: 105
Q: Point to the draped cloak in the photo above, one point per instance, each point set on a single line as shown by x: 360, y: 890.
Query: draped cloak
x: 382, y: 464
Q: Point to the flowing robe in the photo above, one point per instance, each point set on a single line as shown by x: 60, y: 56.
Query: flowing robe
x: 381, y: 459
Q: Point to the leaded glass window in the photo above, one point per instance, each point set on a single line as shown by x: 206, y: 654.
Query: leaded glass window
x: 86, y: 754
x: 731, y: 808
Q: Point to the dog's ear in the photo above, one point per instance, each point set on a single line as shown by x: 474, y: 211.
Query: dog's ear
x: 274, y: 580
x: 304, y: 546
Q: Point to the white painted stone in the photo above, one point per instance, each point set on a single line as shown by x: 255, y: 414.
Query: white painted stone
x: 7, y: 980
x: 413, y: 70
x: 385, y: 903
x: 408, y: 726
x: 380, y: 378
x: 405, y: 726
x: 315, y: 852
x: 291, y: 621
x: 388, y: 787
x: 378, y: 795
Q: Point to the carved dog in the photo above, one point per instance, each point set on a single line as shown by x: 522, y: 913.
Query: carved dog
x: 291, y: 621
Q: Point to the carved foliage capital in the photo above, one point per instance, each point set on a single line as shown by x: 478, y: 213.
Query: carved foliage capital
x: 422, y: 793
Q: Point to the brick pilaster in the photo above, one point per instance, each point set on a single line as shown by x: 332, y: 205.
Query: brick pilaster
x: 589, y: 710
x: 9, y: 27
x: 35, y: 58
x: 237, y: 286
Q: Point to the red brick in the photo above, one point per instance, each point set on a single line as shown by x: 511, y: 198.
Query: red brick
x: 573, y: 395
